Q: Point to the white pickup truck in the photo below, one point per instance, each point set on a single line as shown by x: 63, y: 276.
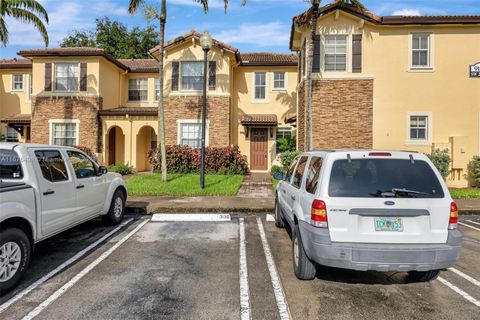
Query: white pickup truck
x: 45, y: 190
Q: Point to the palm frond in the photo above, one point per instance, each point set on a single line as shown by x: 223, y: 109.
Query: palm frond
x: 3, y: 32
x: 134, y: 5
x: 30, y: 5
x: 28, y: 17
x: 204, y: 4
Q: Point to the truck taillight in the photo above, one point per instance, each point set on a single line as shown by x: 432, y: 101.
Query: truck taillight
x: 453, y: 222
x: 318, y: 214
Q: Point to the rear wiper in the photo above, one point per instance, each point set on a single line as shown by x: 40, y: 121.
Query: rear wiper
x: 410, y: 192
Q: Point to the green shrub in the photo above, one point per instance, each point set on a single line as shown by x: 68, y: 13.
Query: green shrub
x: 474, y: 171
x: 286, y: 159
x: 286, y: 144
x: 441, y: 159
x: 2, y: 137
x: 123, y: 169
x: 276, y: 169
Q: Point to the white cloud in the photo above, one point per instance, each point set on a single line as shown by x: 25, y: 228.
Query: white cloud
x: 262, y: 35
x: 407, y: 12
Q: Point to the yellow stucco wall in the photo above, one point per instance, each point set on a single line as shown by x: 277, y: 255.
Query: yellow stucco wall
x: 110, y: 83
x: 150, y: 102
x: 278, y: 102
x: 445, y: 92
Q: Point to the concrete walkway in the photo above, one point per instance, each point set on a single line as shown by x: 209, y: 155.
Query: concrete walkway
x: 256, y: 185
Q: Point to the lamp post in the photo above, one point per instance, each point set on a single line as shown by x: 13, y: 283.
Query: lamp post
x: 206, y: 43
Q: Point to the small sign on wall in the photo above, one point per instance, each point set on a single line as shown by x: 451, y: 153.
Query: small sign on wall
x: 475, y: 71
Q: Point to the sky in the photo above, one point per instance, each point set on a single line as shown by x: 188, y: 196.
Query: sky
x: 262, y: 25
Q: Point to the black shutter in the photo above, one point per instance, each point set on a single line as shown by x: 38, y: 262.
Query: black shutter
x: 212, y: 75
x: 175, y: 74
x: 48, y: 77
x: 357, y: 53
x: 316, y: 53
x: 83, y: 76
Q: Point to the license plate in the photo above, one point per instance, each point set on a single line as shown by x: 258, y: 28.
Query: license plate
x: 389, y: 224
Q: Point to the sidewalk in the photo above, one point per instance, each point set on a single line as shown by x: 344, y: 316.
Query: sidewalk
x: 468, y: 207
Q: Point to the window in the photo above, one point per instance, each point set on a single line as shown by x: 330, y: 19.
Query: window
x: 420, y: 50
x: 419, y: 128
x: 371, y: 178
x: 137, y: 90
x: 10, y: 166
x: 260, y: 85
x: 191, y: 134
x: 283, y: 133
x: 64, y: 133
x: 84, y: 167
x: 11, y: 135
x: 289, y: 175
x: 313, y: 175
x: 30, y: 86
x: 66, y: 77
x: 335, y: 53
x: 52, y: 165
x: 297, y: 177
x: 17, y: 82
x: 279, y: 82
x: 157, y: 89
x: 192, y: 75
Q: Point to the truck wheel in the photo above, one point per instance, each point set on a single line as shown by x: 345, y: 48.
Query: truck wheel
x: 117, y: 209
x: 423, y: 276
x: 14, y: 257
x: 302, y: 266
x: 279, y: 222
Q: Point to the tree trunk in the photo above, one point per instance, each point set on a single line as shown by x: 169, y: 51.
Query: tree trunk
x: 161, y: 118
x: 313, y: 30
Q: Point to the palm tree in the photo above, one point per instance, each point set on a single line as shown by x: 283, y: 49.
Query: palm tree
x: 313, y: 31
x: 162, y: 17
x: 28, y: 11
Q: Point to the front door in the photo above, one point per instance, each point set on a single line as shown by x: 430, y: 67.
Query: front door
x: 259, y: 148
x: 111, y: 146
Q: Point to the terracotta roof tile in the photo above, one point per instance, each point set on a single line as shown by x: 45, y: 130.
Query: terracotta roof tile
x: 19, y: 118
x: 259, y: 120
x: 142, y: 111
x: 268, y: 59
x: 140, y: 65
x: 15, y: 63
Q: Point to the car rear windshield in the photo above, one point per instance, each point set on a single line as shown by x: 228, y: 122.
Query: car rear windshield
x: 365, y: 178
x: 10, y: 166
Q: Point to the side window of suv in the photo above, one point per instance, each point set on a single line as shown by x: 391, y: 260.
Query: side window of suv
x: 52, y: 165
x: 84, y: 168
x: 297, y: 177
x: 289, y: 175
x: 313, y: 175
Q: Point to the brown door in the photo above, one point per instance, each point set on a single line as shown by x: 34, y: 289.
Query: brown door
x: 111, y: 146
x: 258, y: 148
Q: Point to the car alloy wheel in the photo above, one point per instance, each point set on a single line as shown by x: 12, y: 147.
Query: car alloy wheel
x: 10, y: 258
x: 118, y: 207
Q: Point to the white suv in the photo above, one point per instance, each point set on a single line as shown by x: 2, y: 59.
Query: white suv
x: 368, y: 210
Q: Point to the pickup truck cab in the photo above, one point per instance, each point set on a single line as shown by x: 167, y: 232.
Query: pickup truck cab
x: 45, y: 190
x: 368, y: 210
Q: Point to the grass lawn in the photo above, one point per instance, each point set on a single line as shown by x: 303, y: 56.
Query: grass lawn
x: 275, y: 183
x: 184, y: 185
x: 465, y: 193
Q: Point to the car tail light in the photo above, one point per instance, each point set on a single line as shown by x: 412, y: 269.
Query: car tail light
x: 453, y: 222
x: 318, y: 214
x: 379, y: 154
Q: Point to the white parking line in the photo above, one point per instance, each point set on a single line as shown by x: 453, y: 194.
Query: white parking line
x: 277, y: 284
x: 244, y: 289
x: 465, y: 276
x: 460, y: 292
x: 474, y: 222
x: 57, y: 294
x: 190, y: 217
x: 469, y: 226
x: 55, y: 271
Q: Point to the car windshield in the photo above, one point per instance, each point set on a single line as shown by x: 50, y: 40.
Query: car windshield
x: 364, y: 178
x: 10, y: 166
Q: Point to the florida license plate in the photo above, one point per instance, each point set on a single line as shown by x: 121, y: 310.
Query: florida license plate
x: 389, y: 224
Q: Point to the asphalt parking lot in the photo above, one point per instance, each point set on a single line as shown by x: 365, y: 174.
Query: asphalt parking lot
x: 236, y: 269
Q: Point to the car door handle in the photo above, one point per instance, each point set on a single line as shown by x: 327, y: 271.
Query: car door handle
x: 293, y: 197
x: 80, y: 186
x: 48, y: 192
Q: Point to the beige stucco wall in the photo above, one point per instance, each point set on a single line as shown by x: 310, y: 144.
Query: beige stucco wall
x: 110, y: 80
x: 150, y: 102
x: 445, y: 92
x: 278, y: 102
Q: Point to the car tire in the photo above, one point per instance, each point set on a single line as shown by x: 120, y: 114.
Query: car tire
x: 117, y: 209
x: 423, y: 276
x: 15, y: 251
x: 303, y: 267
x: 279, y: 222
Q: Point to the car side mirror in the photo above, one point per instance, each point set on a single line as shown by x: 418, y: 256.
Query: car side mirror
x: 102, y: 170
x: 278, y: 176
